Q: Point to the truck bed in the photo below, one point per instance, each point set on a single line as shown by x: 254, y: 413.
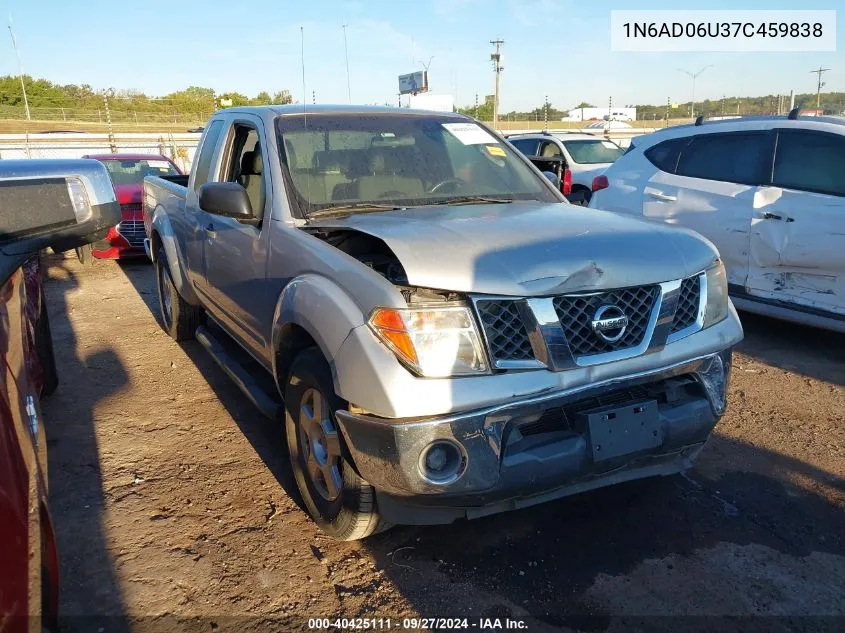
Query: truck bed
x: 168, y: 192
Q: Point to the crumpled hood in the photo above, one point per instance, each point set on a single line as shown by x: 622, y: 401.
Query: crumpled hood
x: 531, y: 249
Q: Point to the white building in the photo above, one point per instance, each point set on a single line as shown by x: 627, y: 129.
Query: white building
x: 601, y: 114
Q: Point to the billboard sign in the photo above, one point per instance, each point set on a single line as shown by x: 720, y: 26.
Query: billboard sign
x: 412, y: 83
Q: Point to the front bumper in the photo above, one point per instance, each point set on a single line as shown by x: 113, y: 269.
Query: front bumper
x: 115, y: 246
x: 534, y: 449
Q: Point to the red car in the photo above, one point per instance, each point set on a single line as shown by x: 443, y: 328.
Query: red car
x: 127, y: 171
x: 57, y: 203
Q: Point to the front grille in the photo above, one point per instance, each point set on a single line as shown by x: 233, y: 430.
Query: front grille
x: 506, y: 334
x: 688, y: 303
x: 576, y: 313
x: 133, y: 231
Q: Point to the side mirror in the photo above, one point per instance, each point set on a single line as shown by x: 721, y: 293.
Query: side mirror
x: 228, y: 199
x: 58, y: 203
x: 553, y: 177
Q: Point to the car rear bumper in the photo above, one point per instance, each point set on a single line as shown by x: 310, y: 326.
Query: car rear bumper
x: 536, y: 449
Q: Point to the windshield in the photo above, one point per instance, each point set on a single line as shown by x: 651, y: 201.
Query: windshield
x: 132, y: 171
x: 592, y: 151
x: 342, y: 160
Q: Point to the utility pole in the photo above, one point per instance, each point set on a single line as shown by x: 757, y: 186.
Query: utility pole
x: 694, y: 77
x: 475, y: 116
x: 346, y: 52
x: 496, y: 58
x: 546, y: 115
x: 819, y: 72
x: 20, y: 65
x: 112, y: 144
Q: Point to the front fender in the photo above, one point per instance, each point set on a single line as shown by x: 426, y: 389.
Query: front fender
x: 162, y: 226
x: 320, y: 307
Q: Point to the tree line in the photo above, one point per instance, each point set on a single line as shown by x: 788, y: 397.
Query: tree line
x: 42, y: 93
x: 831, y: 103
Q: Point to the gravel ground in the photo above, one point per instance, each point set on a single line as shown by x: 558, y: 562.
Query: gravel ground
x: 175, y: 508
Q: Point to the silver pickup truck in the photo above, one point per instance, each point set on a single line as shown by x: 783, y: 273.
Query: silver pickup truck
x: 440, y: 332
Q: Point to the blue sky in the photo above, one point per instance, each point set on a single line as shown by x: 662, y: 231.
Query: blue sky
x: 559, y: 48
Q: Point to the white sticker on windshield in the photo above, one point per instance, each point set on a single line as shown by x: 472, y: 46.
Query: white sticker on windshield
x: 159, y: 164
x: 470, y: 133
x: 609, y: 144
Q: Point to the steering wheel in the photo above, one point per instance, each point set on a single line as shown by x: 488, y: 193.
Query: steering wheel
x: 449, y: 181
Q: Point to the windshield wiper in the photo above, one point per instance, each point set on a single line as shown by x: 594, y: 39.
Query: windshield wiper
x: 358, y: 206
x: 470, y: 200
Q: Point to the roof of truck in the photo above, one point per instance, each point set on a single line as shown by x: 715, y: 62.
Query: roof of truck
x: 127, y: 156
x: 339, y: 109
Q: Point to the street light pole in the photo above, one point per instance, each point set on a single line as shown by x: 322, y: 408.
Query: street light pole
x: 346, y: 53
x: 20, y: 65
x: 496, y: 58
x: 694, y: 77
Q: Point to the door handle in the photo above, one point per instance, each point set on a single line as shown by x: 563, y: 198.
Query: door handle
x: 775, y: 216
x: 662, y: 196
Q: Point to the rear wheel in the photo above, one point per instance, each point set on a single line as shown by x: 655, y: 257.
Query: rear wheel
x: 338, y: 500
x: 179, y: 318
x: 84, y: 255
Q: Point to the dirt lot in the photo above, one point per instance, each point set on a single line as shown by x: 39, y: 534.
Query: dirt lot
x: 172, y: 497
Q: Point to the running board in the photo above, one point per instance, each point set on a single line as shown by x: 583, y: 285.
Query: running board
x: 265, y: 403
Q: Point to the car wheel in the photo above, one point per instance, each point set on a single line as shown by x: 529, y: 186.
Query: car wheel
x: 338, y: 500
x: 84, y: 255
x: 44, y: 350
x: 179, y: 318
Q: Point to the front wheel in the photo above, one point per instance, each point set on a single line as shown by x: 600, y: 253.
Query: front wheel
x: 338, y: 500
x: 179, y: 318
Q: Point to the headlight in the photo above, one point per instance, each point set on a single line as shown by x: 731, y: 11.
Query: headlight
x: 434, y: 342
x: 79, y: 200
x: 716, y: 307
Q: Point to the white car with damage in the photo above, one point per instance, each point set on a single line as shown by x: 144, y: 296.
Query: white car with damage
x: 769, y: 192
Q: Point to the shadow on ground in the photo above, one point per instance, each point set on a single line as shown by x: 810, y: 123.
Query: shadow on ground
x: 77, y: 502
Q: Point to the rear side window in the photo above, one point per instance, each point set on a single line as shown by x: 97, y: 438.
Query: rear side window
x: 734, y: 157
x: 209, y: 144
x: 810, y: 161
x: 665, y: 155
x: 527, y: 146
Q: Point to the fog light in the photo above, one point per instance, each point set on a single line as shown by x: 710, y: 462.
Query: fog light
x: 441, y: 462
x: 714, y: 377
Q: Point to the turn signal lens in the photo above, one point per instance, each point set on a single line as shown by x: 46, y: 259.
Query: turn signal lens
x: 716, y: 307
x: 434, y: 342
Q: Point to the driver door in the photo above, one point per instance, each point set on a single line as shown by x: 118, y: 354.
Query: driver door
x: 235, y: 251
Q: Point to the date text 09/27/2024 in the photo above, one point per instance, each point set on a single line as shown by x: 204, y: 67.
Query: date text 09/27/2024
x: 415, y: 624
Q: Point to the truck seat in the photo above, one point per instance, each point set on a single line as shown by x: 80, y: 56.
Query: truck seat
x: 251, y: 178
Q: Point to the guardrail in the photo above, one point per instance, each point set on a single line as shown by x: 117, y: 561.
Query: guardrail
x: 179, y: 147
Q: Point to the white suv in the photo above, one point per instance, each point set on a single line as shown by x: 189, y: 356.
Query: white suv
x: 769, y: 192
x: 586, y: 156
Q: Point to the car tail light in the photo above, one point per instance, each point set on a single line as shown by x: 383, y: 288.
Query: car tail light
x: 566, y: 185
x: 599, y: 183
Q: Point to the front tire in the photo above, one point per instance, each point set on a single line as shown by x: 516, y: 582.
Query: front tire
x: 179, y: 318
x: 338, y: 500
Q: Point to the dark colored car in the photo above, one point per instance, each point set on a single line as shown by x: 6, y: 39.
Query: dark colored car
x: 127, y: 172
x: 62, y: 204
